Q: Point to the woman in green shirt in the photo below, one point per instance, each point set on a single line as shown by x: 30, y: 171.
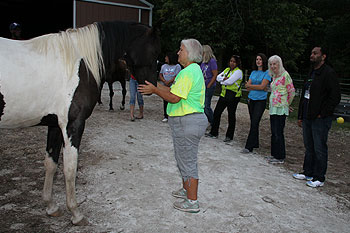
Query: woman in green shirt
x: 186, y: 119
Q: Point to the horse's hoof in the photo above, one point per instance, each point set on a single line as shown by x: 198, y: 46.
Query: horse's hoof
x: 111, y: 110
x: 82, y: 222
x: 122, y: 107
x: 57, y: 213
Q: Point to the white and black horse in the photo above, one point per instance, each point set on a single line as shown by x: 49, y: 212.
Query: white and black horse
x: 53, y: 80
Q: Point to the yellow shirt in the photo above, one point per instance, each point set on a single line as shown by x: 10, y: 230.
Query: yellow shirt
x: 190, y: 87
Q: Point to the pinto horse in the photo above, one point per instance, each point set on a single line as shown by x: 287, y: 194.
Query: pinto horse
x: 120, y: 74
x: 53, y: 80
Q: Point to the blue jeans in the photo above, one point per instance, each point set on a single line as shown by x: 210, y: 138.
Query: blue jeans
x: 278, y: 147
x: 315, y: 134
x: 256, y: 110
x: 209, y: 92
x: 133, y: 92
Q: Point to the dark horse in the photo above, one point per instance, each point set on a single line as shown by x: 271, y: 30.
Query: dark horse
x: 53, y: 80
x: 120, y: 74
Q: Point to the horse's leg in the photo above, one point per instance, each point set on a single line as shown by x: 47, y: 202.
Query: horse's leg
x: 111, y: 94
x: 123, y: 82
x: 72, y: 138
x: 53, y: 149
x: 99, y: 97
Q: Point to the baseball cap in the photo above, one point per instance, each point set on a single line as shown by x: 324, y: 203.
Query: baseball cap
x: 14, y: 26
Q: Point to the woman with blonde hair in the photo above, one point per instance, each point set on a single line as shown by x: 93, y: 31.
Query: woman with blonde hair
x: 282, y: 94
x: 209, y: 69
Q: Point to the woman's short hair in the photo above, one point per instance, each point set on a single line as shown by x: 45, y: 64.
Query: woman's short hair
x: 207, y: 54
x: 277, y: 59
x: 264, y: 61
x: 194, y: 49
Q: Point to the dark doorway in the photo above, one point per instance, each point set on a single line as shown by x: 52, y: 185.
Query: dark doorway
x: 36, y: 17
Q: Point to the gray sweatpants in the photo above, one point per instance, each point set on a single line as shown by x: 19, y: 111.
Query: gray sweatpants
x: 187, y: 131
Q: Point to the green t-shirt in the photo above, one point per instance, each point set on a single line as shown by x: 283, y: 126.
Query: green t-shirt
x: 190, y: 87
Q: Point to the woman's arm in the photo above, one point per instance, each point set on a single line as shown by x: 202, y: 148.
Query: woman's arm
x: 259, y: 87
x: 161, y: 77
x: 160, y: 90
x: 220, y: 77
x: 213, y: 79
x: 233, y: 78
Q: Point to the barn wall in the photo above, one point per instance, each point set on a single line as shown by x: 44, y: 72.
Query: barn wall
x: 88, y: 12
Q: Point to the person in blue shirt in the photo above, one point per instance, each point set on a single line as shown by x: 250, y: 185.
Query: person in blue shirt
x: 257, y: 87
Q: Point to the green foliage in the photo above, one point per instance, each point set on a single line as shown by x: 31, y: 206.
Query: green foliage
x: 287, y: 28
x: 211, y: 22
x: 278, y: 27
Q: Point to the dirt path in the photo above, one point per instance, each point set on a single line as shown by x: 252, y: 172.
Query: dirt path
x: 127, y: 172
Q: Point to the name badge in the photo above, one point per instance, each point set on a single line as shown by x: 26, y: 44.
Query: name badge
x: 307, y: 94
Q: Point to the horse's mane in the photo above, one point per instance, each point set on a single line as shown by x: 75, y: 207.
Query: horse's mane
x: 82, y: 43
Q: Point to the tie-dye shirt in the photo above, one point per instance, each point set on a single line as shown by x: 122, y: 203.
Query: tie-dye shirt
x: 282, y: 94
x: 190, y: 87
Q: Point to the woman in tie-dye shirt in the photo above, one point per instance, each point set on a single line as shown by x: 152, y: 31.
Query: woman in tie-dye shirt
x: 282, y: 95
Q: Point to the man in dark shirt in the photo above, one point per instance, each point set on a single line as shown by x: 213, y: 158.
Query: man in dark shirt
x: 320, y: 96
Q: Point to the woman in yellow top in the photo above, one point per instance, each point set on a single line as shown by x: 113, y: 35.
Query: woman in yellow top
x: 186, y: 119
x: 231, y: 79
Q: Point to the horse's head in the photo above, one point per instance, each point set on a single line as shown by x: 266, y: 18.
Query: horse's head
x: 142, y: 55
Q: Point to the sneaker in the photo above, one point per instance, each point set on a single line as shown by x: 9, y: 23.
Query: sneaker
x: 269, y: 157
x: 227, y: 139
x: 314, y: 183
x: 276, y: 161
x: 301, y: 176
x: 181, y: 193
x: 245, y: 151
x: 165, y: 120
x: 209, y: 135
x: 187, y: 206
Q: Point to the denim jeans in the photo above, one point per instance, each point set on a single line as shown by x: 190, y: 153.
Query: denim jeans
x: 278, y: 147
x: 256, y: 110
x: 230, y: 101
x: 134, y: 92
x: 315, y: 133
x: 209, y: 92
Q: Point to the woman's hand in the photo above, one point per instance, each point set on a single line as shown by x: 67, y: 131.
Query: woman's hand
x: 300, y: 123
x: 247, y: 86
x: 146, y: 89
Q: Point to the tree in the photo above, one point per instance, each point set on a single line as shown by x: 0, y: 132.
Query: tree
x: 238, y: 26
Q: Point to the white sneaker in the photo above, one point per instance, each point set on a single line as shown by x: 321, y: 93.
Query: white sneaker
x: 301, y: 176
x: 314, y: 184
x: 165, y: 120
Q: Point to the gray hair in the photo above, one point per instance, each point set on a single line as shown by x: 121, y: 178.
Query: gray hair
x: 279, y: 61
x: 194, y: 49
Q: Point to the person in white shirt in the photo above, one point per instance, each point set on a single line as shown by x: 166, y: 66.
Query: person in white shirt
x: 167, y: 75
